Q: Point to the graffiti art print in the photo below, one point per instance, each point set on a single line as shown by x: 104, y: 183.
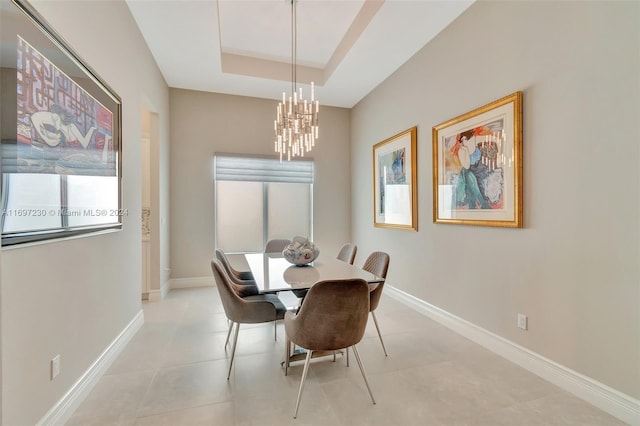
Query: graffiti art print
x: 60, y: 128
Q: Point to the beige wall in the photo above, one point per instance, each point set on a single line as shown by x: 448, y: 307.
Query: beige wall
x: 574, y: 268
x: 205, y: 123
x: 75, y: 297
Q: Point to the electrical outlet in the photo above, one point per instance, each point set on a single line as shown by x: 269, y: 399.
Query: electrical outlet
x: 522, y: 321
x: 55, y: 366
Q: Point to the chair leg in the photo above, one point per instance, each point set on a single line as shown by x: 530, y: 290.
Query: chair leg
x: 287, y: 354
x: 364, y: 375
x: 304, y: 377
x: 233, y: 351
x: 226, y: 343
x: 375, y: 321
x: 275, y: 330
x: 347, y: 350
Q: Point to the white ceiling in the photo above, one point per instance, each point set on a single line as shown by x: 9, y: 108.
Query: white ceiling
x: 243, y: 47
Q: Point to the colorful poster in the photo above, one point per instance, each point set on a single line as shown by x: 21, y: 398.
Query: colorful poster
x: 474, y: 161
x: 61, y: 128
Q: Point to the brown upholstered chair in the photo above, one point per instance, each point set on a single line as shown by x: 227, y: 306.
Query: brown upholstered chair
x: 378, y: 264
x: 244, y: 310
x: 276, y: 246
x: 333, y: 316
x: 347, y: 253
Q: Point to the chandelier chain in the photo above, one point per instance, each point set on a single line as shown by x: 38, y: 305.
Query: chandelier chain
x: 294, y: 47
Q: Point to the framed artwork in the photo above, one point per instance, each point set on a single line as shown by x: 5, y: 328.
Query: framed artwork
x: 477, y: 166
x: 61, y: 135
x: 394, y: 182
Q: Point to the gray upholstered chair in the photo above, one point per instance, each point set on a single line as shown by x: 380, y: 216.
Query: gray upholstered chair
x: 238, y: 275
x: 347, y: 253
x: 243, y: 287
x: 244, y: 310
x: 378, y: 264
x: 241, y: 278
x: 276, y: 245
x: 333, y: 316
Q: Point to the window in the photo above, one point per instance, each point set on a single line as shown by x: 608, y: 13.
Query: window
x: 260, y: 198
x: 39, y: 206
x: 41, y: 193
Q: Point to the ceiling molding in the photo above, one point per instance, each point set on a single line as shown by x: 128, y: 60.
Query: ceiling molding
x: 262, y: 68
x: 243, y: 47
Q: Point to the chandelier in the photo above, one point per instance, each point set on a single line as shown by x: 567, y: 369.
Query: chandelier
x: 296, y: 123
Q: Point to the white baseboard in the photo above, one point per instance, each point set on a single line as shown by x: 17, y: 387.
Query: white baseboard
x: 64, y: 409
x: 616, y: 403
x: 155, y: 296
x: 192, y: 282
x: 158, y: 295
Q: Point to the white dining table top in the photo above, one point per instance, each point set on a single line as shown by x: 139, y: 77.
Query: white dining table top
x: 273, y: 273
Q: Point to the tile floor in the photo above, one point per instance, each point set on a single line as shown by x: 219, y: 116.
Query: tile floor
x: 173, y: 372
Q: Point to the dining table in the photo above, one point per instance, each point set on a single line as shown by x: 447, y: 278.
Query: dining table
x: 274, y: 274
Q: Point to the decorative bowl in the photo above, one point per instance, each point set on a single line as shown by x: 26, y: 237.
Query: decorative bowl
x: 300, y: 252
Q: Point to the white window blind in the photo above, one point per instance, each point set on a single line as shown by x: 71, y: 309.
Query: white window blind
x: 260, y: 169
x: 260, y: 198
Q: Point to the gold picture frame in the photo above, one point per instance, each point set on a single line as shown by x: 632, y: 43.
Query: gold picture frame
x: 395, y: 195
x: 477, y: 166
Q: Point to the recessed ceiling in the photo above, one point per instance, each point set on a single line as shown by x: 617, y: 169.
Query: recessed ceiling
x: 243, y: 47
